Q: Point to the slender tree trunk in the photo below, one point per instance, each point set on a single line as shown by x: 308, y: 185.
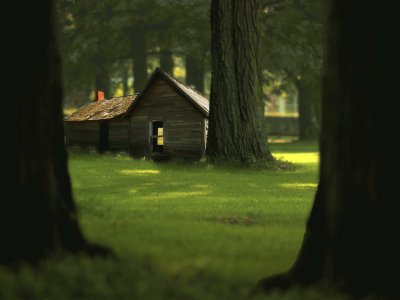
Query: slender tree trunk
x: 352, y: 235
x: 39, y: 217
x: 139, y: 56
x: 236, y: 122
x: 305, y: 111
x: 195, y: 72
x: 167, y: 61
x: 102, y: 82
x: 125, y: 86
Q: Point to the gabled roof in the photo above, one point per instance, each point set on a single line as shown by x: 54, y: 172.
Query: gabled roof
x: 102, y: 110
x: 195, y: 98
x: 121, y: 106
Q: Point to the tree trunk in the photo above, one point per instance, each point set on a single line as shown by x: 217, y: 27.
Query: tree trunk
x: 352, y: 235
x: 236, y: 122
x: 139, y: 56
x: 167, y: 61
x: 305, y: 110
x: 195, y: 72
x: 125, y: 77
x: 39, y: 217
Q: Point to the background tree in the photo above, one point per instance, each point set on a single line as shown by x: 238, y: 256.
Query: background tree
x: 40, y: 215
x: 351, y: 238
x: 236, y: 122
x: 293, y: 53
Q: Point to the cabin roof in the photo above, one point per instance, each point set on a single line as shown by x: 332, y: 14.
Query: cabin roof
x: 121, y: 106
x: 202, y: 103
x: 194, y: 97
x: 102, y: 110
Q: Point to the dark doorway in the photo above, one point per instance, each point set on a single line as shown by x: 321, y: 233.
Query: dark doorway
x: 103, y: 137
x: 157, y: 137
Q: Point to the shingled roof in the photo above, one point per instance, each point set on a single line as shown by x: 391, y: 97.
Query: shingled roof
x: 120, y: 107
x: 102, y: 110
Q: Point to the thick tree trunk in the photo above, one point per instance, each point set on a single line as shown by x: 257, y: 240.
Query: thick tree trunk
x: 236, y: 122
x: 40, y: 216
x: 139, y: 56
x: 167, y: 61
x: 305, y: 110
x: 195, y: 72
x: 352, y: 235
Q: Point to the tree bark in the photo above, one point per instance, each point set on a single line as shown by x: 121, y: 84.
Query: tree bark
x: 167, y: 61
x: 139, y: 56
x: 40, y: 216
x: 352, y: 236
x: 236, y: 122
x: 195, y: 72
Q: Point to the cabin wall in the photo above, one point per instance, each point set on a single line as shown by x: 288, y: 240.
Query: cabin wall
x: 82, y: 134
x: 118, y: 135
x: 183, y: 123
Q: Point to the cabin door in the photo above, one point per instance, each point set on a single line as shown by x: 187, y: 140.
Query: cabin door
x: 103, y: 137
x: 157, y: 136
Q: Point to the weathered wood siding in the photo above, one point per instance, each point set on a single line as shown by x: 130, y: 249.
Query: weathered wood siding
x: 82, y: 134
x: 118, y: 136
x: 183, y: 123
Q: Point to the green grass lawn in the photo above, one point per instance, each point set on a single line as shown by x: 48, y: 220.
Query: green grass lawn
x: 180, y: 231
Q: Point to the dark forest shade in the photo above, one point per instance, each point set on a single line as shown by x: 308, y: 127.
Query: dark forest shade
x: 39, y: 216
x: 352, y: 237
x: 139, y: 57
x: 195, y: 72
x: 236, y: 131
x: 182, y: 112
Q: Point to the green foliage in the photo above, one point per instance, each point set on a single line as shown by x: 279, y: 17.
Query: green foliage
x: 98, y: 37
x: 180, y: 231
x: 294, y: 33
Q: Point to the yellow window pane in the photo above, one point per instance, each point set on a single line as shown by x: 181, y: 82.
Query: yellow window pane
x: 160, y: 131
x: 160, y: 141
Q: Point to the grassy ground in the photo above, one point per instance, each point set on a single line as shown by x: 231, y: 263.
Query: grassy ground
x: 180, y: 231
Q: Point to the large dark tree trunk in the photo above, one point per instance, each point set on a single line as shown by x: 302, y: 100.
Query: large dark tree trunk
x: 39, y: 217
x: 195, y: 72
x: 139, y: 56
x: 352, y: 235
x: 167, y: 61
x: 236, y: 122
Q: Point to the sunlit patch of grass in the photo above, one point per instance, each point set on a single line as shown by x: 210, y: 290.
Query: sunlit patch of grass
x: 299, y: 185
x: 139, y: 172
x: 299, y: 158
x: 173, y: 195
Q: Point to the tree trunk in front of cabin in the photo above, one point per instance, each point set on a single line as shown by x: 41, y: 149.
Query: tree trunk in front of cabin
x: 306, y: 126
x: 139, y: 56
x: 236, y: 122
x: 39, y: 216
x: 352, y: 238
x: 167, y: 61
x: 195, y: 72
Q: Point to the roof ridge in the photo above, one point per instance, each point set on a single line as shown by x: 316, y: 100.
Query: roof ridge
x: 184, y: 84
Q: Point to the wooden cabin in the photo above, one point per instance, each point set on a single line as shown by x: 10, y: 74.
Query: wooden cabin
x: 167, y: 118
